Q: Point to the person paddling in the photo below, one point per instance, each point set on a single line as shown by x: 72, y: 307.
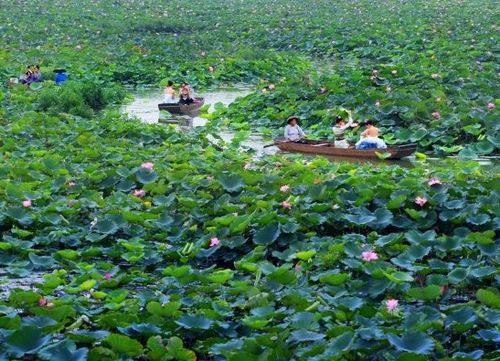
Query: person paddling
x: 293, y: 132
x: 339, y: 129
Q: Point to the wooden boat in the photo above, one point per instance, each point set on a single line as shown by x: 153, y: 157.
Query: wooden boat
x: 183, y: 109
x: 325, y: 147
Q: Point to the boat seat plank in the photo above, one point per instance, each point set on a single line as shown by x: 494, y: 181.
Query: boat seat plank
x: 320, y: 145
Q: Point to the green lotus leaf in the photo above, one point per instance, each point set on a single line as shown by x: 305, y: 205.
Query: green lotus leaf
x: 194, y: 322
x: 335, y: 279
x: 146, y: 177
x: 176, y: 350
x: 425, y: 293
x: 232, y: 182
x: 339, y: 344
x: 20, y: 215
x: 106, y: 226
x: 221, y: 276
x: 489, y: 335
x: 85, y: 336
x: 488, y: 298
x: 64, y: 351
x: 267, y: 234
x: 41, y: 261
x: 124, y: 345
x: 305, y: 336
x: 415, y: 342
x: 457, y: 275
x: 399, y: 277
x: 27, y: 339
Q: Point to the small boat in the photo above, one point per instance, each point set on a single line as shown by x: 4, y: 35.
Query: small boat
x: 325, y: 147
x: 191, y: 109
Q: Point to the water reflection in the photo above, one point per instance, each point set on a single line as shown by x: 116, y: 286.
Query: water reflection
x: 145, y: 103
x: 145, y: 107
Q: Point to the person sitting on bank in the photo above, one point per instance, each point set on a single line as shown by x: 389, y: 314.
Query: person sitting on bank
x: 369, y: 138
x: 339, y: 129
x: 36, y: 74
x: 26, y: 77
x: 61, y: 76
x: 293, y: 132
x: 185, y: 97
x: 169, y: 93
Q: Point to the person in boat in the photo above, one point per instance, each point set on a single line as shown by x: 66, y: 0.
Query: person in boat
x: 169, y: 93
x: 190, y: 88
x: 369, y: 138
x: 293, y: 132
x: 61, y: 76
x: 185, y: 97
x: 339, y: 129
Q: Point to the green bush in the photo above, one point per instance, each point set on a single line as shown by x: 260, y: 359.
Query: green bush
x: 78, y: 98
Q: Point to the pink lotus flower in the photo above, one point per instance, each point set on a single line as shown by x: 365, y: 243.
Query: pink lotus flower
x: 214, y: 242
x: 42, y: 302
x: 286, y: 205
x: 391, y: 304
x: 434, y: 182
x: 369, y: 256
x: 421, y: 201
x: 108, y: 276
x: 139, y: 193
x: 436, y: 115
x: 147, y: 166
x: 491, y: 105
x: 27, y: 203
x: 377, y: 103
x: 272, y: 86
x: 284, y: 188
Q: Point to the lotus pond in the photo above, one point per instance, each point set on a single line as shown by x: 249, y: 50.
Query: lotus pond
x: 122, y: 240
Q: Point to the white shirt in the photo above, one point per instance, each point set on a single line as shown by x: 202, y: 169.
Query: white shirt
x: 339, y: 131
x: 293, y: 133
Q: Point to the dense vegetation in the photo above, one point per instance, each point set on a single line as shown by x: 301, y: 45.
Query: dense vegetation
x: 125, y: 241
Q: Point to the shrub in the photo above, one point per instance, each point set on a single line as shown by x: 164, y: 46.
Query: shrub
x: 83, y: 99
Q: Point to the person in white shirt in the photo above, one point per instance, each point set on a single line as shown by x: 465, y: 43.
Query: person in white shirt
x: 339, y: 129
x: 293, y: 132
x: 169, y: 93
